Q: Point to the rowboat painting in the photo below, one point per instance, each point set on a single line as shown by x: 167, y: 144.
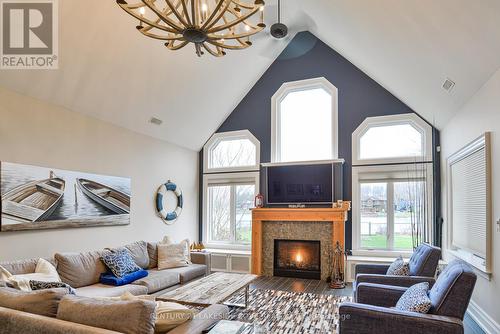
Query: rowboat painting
x: 108, y: 197
x: 35, y: 198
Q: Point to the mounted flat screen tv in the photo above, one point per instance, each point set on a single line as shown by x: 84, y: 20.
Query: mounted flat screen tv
x: 304, y: 184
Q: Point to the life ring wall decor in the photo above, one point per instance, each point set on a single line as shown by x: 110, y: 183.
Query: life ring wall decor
x: 168, y: 217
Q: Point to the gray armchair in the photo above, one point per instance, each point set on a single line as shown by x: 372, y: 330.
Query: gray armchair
x: 422, y: 264
x: 373, y: 314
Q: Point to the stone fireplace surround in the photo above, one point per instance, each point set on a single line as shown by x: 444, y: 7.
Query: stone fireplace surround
x: 289, y: 230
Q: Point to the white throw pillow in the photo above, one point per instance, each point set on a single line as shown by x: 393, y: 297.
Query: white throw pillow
x: 173, y: 255
x: 44, y: 271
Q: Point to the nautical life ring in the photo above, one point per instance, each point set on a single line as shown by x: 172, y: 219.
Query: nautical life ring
x: 168, y: 217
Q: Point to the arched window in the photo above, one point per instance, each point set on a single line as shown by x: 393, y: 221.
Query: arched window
x: 392, y: 139
x: 304, y: 121
x: 392, y: 182
x: 230, y: 183
x: 232, y: 151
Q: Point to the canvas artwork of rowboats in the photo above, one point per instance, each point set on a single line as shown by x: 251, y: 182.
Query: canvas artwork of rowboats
x: 108, y: 197
x: 35, y: 198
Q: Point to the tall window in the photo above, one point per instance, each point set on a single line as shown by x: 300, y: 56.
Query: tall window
x: 230, y: 183
x: 392, y: 184
x: 304, y: 121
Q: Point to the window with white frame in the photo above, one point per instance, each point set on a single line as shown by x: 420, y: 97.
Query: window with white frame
x: 304, y: 121
x: 392, y: 139
x: 230, y: 183
x: 392, y: 184
x: 231, y: 151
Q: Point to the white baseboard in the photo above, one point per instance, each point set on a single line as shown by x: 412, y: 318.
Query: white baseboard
x: 487, y: 324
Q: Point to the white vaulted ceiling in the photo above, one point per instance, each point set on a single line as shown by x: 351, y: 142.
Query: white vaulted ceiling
x: 109, y: 71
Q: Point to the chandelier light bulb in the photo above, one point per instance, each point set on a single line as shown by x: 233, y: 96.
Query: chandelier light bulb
x: 142, y: 11
x: 247, y: 27
x: 204, y: 7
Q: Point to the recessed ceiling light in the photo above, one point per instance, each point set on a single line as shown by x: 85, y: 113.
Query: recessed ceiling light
x: 155, y: 121
x: 448, y: 85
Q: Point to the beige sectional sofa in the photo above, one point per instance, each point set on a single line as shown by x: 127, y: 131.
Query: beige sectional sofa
x: 82, y: 271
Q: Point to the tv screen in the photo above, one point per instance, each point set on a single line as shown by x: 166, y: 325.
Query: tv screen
x: 300, y: 184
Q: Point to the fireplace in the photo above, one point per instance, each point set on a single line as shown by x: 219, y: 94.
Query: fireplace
x: 297, y: 258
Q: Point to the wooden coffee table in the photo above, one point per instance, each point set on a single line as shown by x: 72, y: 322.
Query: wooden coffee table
x: 209, y: 290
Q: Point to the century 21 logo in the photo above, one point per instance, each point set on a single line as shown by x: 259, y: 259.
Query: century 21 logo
x: 28, y: 31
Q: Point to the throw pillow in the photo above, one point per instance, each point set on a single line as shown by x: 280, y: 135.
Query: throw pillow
x: 124, y: 316
x: 42, y: 302
x: 415, y: 299
x: 110, y: 279
x: 44, y: 271
x: 40, y: 285
x: 120, y: 262
x: 173, y: 255
x: 399, y: 268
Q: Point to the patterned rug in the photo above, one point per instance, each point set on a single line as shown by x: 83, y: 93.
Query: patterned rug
x: 282, y: 312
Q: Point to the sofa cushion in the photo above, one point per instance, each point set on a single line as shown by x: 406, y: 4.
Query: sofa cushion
x: 102, y: 290
x: 42, y: 302
x: 120, y: 262
x: 424, y: 260
x: 110, y: 279
x: 153, y: 254
x: 451, y: 293
x: 159, y: 279
x: 190, y: 272
x: 127, y: 316
x: 80, y: 269
x: 139, y: 252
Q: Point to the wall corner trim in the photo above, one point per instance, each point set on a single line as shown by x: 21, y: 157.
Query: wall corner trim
x: 487, y: 324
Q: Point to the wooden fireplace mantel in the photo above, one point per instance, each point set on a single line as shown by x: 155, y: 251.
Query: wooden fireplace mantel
x: 337, y: 216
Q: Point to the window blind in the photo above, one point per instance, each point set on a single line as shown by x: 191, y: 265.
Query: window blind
x: 469, y: 202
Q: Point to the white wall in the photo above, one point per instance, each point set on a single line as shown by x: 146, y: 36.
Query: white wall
x: 37, y: 133
x: 480, y: 114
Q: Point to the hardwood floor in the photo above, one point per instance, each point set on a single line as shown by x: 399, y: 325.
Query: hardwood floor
x: 298, y: 285
x: 321, y: 287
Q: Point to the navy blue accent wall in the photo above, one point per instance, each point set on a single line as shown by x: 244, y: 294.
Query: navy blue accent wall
x: 359, y: 97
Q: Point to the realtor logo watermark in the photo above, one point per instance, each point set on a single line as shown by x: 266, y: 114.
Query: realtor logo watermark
x: 29, y: 34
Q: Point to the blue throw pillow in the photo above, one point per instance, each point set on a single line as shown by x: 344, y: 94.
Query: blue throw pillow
x: 120, y: 262
x: 415, y: 299
x: 110, y: 279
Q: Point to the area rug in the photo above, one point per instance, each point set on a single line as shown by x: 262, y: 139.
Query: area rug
x: 282, y: 312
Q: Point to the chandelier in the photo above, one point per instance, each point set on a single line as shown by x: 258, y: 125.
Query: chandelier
x: 213, y: 26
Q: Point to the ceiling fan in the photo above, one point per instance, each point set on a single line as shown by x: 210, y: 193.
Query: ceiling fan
x: 281, y: 33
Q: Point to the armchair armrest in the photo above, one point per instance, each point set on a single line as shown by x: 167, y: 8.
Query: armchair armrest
x: 405, y: 281
x: 370, y: 269
x: 367, y: 319
x: 378, y: 294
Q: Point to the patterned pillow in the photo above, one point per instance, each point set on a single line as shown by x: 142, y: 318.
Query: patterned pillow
x: 415, y: 299
x: 399, y: 268
x: 40, y: 285
x: 120, y: 262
